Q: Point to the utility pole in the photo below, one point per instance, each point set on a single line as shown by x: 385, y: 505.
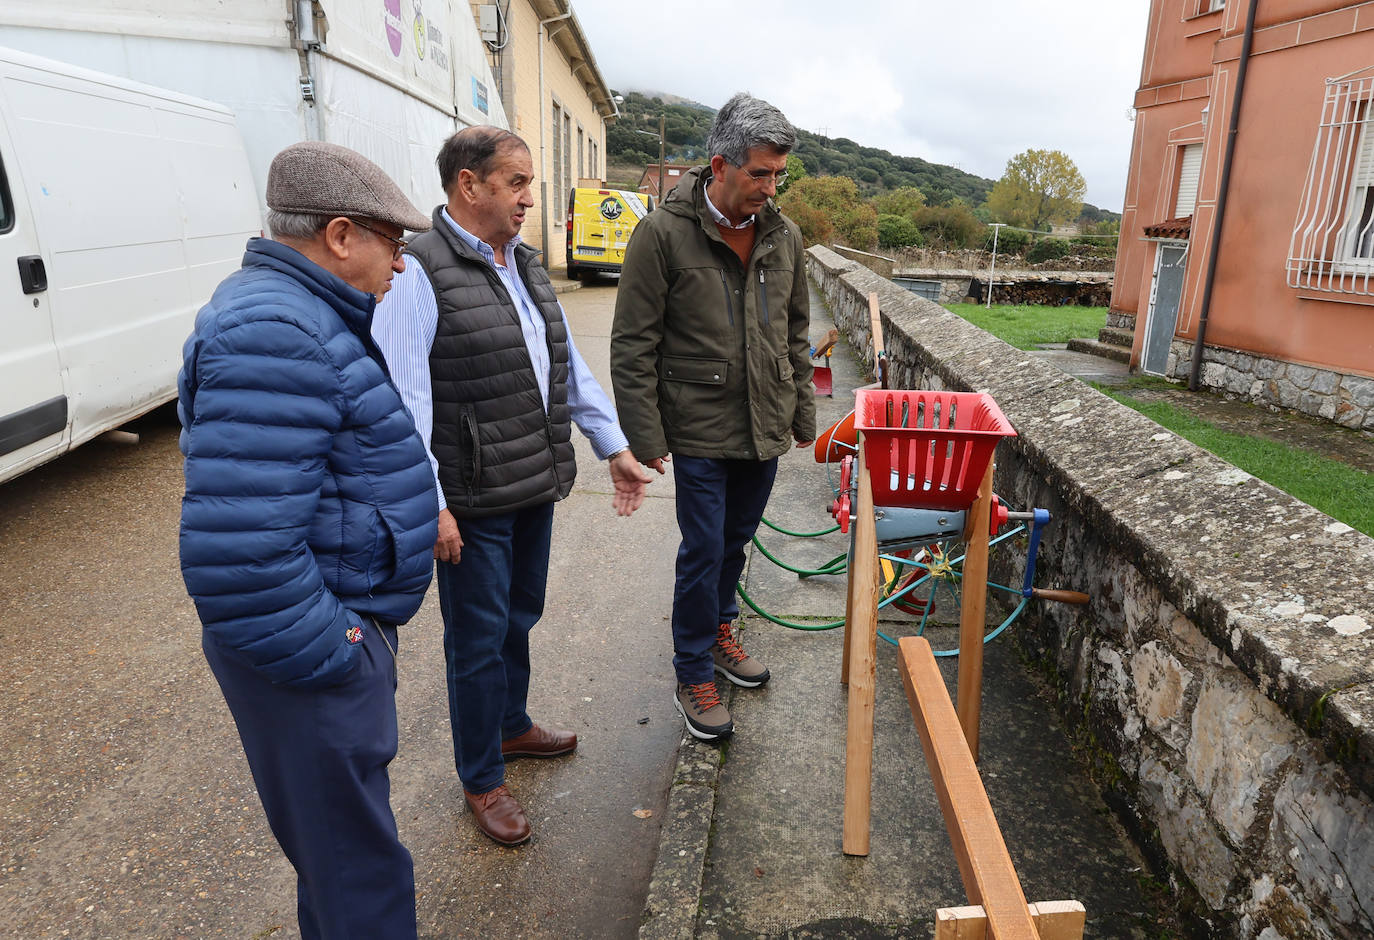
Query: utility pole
x: 660, y: 158
x: 992, y: 268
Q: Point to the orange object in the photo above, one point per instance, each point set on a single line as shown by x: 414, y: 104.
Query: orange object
x: 838, y: 441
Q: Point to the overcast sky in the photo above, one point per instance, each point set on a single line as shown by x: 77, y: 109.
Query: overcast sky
x: 969, y: 83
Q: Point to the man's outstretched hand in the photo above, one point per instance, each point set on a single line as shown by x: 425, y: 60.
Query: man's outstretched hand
x: 630, y: 481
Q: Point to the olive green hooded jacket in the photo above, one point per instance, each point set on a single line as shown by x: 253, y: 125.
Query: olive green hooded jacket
x: 710, y: 358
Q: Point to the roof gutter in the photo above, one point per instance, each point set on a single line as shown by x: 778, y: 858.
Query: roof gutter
x: 1196, y: 368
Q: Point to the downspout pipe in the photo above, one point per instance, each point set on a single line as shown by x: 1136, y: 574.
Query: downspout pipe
x: 1196, y: 368
x: 544, y: 37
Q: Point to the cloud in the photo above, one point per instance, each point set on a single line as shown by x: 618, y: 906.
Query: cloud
x: 967, y: 84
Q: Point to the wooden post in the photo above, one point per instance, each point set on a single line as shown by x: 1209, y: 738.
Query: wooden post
x: 861, y: 625
x: 848, y: 604
x: 984, y: 865
x: 1055, y: 920
x: 973, y: 613
x: 875, y: 322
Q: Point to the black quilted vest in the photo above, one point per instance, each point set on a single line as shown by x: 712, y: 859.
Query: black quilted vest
x: 497, y: 449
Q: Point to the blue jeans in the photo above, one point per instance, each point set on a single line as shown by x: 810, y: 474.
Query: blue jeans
x: 719, y: 505
x: 490, y: 601
x: 319, y: 758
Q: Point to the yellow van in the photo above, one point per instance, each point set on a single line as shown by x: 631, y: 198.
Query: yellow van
x: 599, y: 225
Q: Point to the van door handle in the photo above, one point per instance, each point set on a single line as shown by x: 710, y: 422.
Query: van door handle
x: 32, y: 275
x: 595, y: 235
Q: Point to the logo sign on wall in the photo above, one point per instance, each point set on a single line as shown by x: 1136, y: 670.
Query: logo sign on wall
x: 611, y: 208
x: 392, y: 20
x: 479, y: 95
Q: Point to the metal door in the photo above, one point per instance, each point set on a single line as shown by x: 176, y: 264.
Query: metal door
x: 33, y: 408
x: 1162, y: 321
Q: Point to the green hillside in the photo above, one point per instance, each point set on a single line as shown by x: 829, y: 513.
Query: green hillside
x: 876, y: 171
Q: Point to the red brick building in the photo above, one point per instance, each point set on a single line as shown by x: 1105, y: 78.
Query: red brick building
x: 1290, y: 316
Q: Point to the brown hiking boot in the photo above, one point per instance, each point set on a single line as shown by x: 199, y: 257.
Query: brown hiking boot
x: 703, y: 711
x: 734, y: 663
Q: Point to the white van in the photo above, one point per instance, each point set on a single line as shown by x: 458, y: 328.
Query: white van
x: 121, y: 207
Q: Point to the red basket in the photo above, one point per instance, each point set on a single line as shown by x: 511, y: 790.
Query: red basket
x: 928, y: 449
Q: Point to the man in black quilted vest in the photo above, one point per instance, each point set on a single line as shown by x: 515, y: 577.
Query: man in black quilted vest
x: 479, y: 347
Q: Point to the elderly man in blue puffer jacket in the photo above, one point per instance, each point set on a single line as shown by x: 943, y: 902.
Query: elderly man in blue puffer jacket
x: 308, y: 527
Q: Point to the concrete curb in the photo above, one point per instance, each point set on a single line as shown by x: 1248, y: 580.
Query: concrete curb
x: 670, y: 910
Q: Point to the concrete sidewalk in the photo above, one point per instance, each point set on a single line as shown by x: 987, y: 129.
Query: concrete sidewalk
x: 751, y: 844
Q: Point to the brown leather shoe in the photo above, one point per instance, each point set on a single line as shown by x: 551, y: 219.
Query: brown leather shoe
x: 539, y: 742
x: 499, y: 815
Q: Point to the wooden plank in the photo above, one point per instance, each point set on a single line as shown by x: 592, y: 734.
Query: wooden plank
x: 875, y: 323
x: 862, y: 621
x: 849, y: 588
x: 973, y: 613
x: 960, y: 923
x: 1059, y: 920
x: 986, y: 868
x: 1056, y: 920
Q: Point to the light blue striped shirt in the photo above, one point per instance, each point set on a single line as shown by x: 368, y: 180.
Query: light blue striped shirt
x: 408, y: 317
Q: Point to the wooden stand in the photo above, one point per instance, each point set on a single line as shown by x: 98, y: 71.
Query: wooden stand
x: 973, y: 613
x: 989, y: 878
x: 859, y: 670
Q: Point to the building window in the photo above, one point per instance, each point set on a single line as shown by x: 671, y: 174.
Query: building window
x: 1190, y: 169
x: 567, y: 151
x: 557, y: 155
x: 581, y: 161
x: 1332, y: 248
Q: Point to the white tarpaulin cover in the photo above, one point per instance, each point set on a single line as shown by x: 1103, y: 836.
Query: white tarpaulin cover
x: 391, y: 78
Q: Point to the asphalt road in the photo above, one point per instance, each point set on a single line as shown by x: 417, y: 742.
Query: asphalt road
x: 127, y: 809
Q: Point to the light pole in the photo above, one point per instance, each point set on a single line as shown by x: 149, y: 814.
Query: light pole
x: 992, y: 268
x: 620, y: 100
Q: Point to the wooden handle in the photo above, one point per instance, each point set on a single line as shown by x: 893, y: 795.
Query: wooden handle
x: 1064, y: 597
x: 875, y: 320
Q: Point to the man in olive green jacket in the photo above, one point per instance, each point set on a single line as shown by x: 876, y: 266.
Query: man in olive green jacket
x: 710, y: 362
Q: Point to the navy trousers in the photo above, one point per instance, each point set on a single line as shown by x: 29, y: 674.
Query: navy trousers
x: 319, y: 758
x: 719, y: 505
x: 490, y: 601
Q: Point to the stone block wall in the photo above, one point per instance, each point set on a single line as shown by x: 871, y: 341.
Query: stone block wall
x: 1346, y: 399
x: 954, y: 285
x: 1223, y: 671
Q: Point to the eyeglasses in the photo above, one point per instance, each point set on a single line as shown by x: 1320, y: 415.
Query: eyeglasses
x: 763, y: 176
x: 399, y: 243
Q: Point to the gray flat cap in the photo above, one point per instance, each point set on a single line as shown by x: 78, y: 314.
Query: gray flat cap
x: 326, y: 179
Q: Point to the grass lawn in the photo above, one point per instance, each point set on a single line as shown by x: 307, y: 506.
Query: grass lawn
x: 1028, y: 325
x: 1337, y: 489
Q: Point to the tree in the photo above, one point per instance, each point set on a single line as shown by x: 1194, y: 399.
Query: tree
x: 905, y: 201
x: 1038, y: 187
x: 796, y: 170
x: 835, y: 200
x: 951, y: 226
x: 897, y: 231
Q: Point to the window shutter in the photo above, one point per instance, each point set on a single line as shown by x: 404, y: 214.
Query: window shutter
x: 1187, y: 181
x: 1364, y: 161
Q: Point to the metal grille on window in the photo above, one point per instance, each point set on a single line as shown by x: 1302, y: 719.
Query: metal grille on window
x: 1332, y: 248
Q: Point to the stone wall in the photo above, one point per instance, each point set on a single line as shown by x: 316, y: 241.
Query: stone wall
x: 1346, y: 399
x: 1223, y: 671
x: 878, y: 264
x: 954, y: 285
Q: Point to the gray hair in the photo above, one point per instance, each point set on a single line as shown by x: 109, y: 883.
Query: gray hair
x: 296, y: 224
x: 746, y: 122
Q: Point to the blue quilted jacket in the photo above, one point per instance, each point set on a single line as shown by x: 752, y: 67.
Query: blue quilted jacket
x: 309, y: 496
